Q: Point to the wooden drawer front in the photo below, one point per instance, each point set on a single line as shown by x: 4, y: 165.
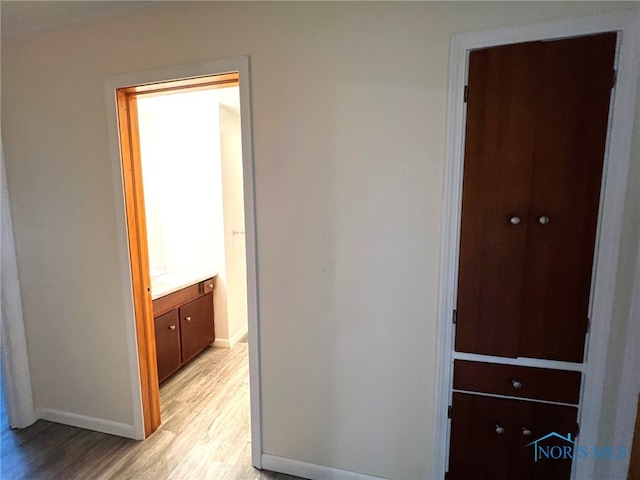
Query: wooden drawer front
x: 167, y: 329
x: 209, y: 285
x: 479, y: 452
x: 174, y: 300
x: 196, y: 326
x: 537, y: 383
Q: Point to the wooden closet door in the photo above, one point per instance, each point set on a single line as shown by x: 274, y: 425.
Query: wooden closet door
x: 537, y: 117
x: 571, y: 129
x: 500, y: 133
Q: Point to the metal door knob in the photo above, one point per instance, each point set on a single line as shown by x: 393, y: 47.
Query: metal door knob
x: 526, y: 432
x: 543, y: 220
x: 172, y: 327
x: 516, y: 384
x: 514, y: 220
x: 499, y: 430
x: 188, y: 319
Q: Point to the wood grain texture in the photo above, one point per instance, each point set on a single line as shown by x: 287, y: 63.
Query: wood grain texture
x: 139, y: 258
x: 478, y: 452
x: 536, y: 383
x: 205, y: 434
x: 571, y: 131
x: 537, y: 120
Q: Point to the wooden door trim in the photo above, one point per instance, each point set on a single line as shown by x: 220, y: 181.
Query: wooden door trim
x: 621, y: 121
x: 135, y: 290
x: 139, y: 258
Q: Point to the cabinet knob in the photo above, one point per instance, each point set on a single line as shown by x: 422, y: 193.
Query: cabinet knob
x: 188, y: 319
x: 526, y: 432
x: 514, y: 220
x: 211, y: 285
x: 516, y: 384
x: 543, y: 220
x: 172, y: 327
x: 499, y: 430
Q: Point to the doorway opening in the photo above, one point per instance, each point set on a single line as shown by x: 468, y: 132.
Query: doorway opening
x: 188, y: 199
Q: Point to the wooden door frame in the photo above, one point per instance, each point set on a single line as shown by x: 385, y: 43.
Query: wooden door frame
x: 131, y: 226
x: 621, y: 120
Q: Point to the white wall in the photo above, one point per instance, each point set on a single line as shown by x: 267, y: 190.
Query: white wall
x: 235, y: 280
x: 349, y: 103
x: 181, y: 169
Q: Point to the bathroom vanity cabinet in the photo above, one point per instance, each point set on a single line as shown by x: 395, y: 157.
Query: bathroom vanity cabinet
x: 184, y: 325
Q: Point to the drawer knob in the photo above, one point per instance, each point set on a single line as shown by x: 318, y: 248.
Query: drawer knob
x: 514, y: 220
x: 172, y: 327
x: 516, y: 384
x: 211, y: 285
x: 526, y: 432
x: 188, y: 319
x: 499, y: 430
x: 543, y: 220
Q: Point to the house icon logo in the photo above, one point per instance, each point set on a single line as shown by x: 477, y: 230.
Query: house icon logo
x: 553, y: 451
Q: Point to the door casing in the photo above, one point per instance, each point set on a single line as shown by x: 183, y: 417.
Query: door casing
x: 134, y: 283
x: 616, y: 164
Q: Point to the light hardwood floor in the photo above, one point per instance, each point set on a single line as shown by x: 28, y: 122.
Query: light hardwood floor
x: 204, y: 434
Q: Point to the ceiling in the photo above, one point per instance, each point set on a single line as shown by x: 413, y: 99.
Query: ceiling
x: 22, y: 16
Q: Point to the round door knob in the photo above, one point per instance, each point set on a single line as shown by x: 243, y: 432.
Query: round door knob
x: 516, y: 384
x: 172, y: 327
x: 514, y: 220
x: 188, y: 319
x: 543, y: 220
x: 526, y: 432
x: 499, y: 430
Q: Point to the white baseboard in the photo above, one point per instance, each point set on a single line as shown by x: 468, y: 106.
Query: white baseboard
x: 226, y: 343
x: 309, y: 470
x: 89, y: 423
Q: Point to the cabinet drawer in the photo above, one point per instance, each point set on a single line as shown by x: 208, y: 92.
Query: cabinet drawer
x: 527, y: 382
x: 208, y: 285
x: 174, y: 300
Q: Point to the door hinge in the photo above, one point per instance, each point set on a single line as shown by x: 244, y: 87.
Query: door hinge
x: 577, y: 429
x: 614, y: 79
x: 455, y: 317
x: 449, y: 411
x: 466, y: 93
x: 588, y: 324
x: 446, y: 475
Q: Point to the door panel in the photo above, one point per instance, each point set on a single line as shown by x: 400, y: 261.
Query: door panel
x: 167, y: 344
x: 196, y: 326
x: 569, y: 150
x: 503, y: 93
x: 479, y: 452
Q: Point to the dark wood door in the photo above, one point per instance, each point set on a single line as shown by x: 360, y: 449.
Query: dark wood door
x: 168, y: 352
x: 490, y: 439
x: 536, y: 127
x: 196, y: 326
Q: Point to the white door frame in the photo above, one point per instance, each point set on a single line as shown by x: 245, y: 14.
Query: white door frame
x: 240, y: 65
x: 618, y: 148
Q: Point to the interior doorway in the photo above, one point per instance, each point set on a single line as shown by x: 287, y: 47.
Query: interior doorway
x: 236, y: 222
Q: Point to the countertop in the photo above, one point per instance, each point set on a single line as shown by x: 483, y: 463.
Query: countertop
x: 170, y: 282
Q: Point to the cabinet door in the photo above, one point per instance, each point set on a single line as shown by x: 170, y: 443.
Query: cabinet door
x: 490, y: 438
x: 571, y: 129
x: 196, y: 326
x: 168, y: 352
x: 537, y: 117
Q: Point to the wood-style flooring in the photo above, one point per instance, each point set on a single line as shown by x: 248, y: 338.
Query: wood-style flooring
x: 205, y: 434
